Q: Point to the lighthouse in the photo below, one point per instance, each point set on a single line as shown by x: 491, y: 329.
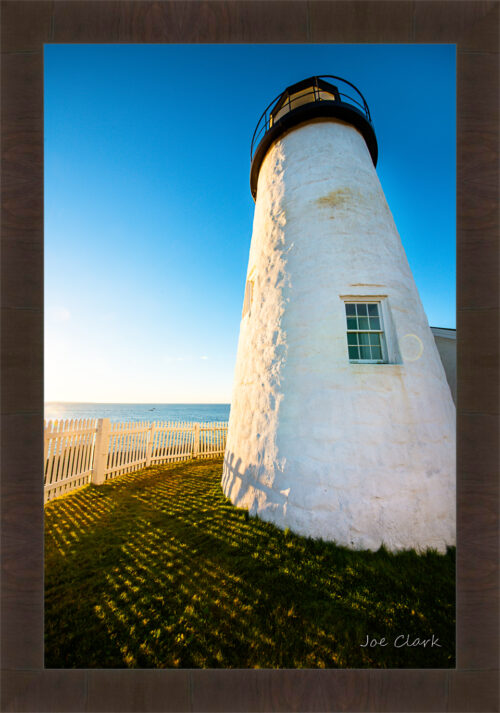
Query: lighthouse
x: 342, y: 424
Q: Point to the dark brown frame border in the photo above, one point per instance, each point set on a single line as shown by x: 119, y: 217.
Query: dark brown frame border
x: 26, y: 25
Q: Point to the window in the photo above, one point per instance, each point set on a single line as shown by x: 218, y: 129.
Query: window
x: 247, y: 302
x: 365, y: 335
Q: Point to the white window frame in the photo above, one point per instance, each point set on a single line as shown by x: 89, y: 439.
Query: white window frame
x: 382, y: 331
x: 248, y: 299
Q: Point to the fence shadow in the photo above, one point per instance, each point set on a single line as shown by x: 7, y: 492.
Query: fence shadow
x: 159, y: 570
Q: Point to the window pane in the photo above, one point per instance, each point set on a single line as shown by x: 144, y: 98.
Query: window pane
x: 353, y: 353
x: 365, y: 342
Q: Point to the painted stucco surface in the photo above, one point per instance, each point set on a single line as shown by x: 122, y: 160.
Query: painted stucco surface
x: 446, y: 343
x: 362, y: 454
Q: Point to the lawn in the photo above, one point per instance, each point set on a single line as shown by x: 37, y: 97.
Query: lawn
x: 158, y: 569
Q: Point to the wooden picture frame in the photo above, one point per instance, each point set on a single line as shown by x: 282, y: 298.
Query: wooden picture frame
x: 474, y: 28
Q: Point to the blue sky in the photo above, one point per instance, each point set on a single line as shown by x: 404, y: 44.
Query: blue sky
x: 148, y: 211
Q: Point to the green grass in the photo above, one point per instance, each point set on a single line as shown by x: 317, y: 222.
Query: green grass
x: 158, y: 569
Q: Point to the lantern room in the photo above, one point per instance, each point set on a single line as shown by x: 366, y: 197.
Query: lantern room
x: 325, y: 96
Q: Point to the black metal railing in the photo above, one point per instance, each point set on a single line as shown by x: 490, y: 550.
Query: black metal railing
x: 314, y: 91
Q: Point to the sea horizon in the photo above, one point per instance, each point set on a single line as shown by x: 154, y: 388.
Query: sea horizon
x: 136, y: 411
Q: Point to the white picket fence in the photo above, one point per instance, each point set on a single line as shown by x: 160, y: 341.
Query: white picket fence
x: 79, y: 452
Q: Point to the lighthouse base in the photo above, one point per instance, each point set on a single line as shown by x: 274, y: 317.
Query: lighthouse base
x: 399, y: 519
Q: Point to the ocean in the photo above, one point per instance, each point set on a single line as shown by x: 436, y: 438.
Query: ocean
x: 137, y: 412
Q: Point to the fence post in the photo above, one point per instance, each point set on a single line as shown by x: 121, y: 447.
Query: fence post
x: 101, y: 450
x: 46, y: 444
x: 149, y: 449
x: 196, y: 440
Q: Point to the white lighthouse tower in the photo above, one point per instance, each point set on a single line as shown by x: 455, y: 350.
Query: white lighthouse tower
x: 342, y: 423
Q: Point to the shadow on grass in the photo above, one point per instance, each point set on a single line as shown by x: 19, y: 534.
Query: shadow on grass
x: 158, y: 569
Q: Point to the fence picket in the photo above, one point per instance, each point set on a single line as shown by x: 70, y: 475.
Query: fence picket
x: 121, y: 446
x: 125, y: 446
x: 183, y: 441
x: 58, y: 451
x: 65, y: 445
x: 170, y: 440
x: 73, y: 446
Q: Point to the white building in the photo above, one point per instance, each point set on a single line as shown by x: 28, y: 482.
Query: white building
x: 342, y: 422
x: 446, y: 342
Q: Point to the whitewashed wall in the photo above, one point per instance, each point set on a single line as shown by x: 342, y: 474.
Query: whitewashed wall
x: 361, y: 454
